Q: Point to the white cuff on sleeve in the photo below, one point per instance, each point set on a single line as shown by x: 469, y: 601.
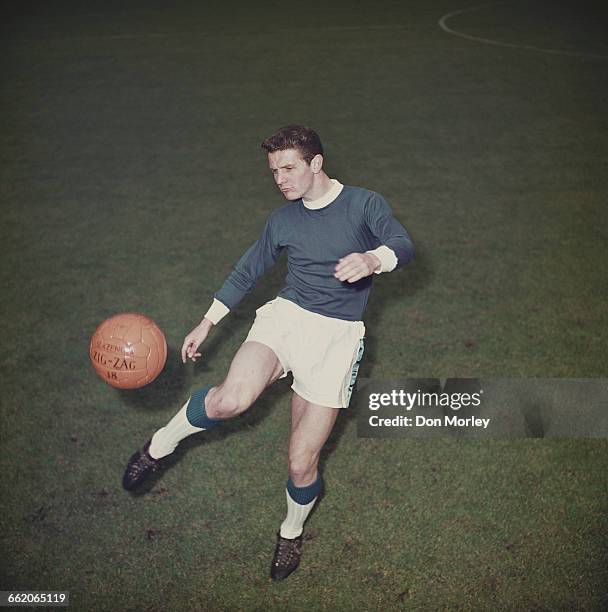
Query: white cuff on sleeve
x: 387, y: 257
x: 217, y: 311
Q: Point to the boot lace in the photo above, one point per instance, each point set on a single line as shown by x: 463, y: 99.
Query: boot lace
x: 287, y: 551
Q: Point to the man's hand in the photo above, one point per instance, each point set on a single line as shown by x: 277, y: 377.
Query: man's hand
x: 356, y: 266
x: 194, y: 339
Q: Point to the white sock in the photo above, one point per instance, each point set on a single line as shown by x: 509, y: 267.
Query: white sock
x: 166, y: 439
x: 293, y: 525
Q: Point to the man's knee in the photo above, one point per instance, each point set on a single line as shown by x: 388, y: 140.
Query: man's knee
x: 303, y: 467
x: 227, y: 402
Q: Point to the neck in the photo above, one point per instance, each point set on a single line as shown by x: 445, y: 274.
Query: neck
x: 320, y: 186
x: 327, y: 198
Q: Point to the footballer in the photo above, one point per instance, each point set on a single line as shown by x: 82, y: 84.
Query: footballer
x: 336, y: 237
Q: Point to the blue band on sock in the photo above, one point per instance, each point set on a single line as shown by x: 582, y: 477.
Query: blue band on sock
x: 304, y: 495
x: 195, y: 412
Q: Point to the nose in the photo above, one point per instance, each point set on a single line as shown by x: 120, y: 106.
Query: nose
x: 279, y: 178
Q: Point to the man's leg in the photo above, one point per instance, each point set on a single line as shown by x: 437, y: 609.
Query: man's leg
x: 253, y: 368
x: 311, y: 425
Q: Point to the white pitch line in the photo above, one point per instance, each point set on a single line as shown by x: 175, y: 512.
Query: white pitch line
x: 498, y: 43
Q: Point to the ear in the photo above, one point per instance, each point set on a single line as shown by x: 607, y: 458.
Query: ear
x: 316, y: 163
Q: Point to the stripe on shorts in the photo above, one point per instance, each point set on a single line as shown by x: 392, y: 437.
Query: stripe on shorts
x: 351, y: 378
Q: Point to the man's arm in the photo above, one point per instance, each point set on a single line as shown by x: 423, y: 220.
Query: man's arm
x: 217, y: 311
x: 395, y: 250
x: 194, y: 339
x: 258, y: 258
x: 389, y: 232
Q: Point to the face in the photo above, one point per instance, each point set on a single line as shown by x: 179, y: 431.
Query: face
x: 293, y: 176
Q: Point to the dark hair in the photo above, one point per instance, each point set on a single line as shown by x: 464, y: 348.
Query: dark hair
x: 299, y: 137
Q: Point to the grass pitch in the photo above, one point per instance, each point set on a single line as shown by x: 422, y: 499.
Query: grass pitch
x: 132, y: 179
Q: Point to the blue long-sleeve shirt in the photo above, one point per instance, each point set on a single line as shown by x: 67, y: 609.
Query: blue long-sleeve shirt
x: 358, y: 220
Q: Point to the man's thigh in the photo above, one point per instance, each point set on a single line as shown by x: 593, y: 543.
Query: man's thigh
x: 254, y: 367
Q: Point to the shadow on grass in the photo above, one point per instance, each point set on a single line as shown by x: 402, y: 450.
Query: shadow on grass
x: 399, y: 285
x: 277, y: 396
x: 173, y: 384
x: 168, y: 388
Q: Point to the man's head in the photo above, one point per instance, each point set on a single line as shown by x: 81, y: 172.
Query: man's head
x: 298, y: 137
x: 295, y: 156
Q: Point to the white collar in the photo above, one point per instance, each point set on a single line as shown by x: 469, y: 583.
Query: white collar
x: 327, y: 198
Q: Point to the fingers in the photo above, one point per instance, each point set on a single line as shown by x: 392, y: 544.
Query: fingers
x: 354, y: 277
x: 352, y: 268
x: 344, y: 262
x: 345, y: 268
x: 185, y: 349
x: 347, y: 274
x: 188, y: 351
x: 357, y: 277
x: 193, y: 341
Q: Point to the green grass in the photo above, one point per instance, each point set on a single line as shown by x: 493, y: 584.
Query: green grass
x: 131, y: 179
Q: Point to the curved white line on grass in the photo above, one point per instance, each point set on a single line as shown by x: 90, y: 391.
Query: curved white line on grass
x: 498, y: 43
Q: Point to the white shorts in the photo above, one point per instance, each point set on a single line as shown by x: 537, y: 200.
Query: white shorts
x: 322, y: 353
